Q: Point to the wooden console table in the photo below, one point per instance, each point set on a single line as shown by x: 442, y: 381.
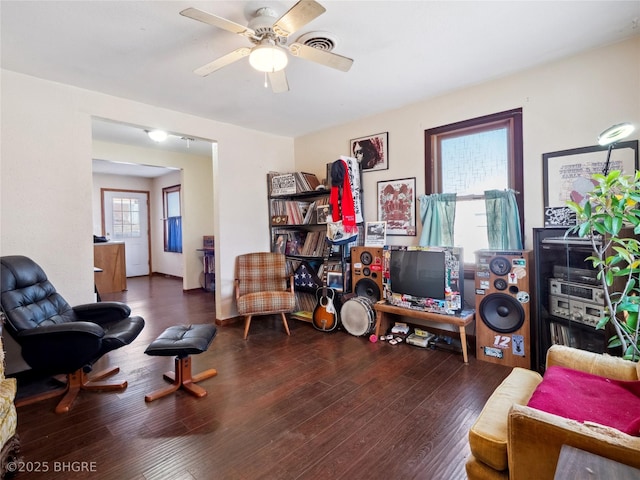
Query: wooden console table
x: 460, y: 320
x: 109, y: 257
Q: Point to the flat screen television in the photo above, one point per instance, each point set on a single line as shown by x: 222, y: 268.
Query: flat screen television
x: 424, y: 278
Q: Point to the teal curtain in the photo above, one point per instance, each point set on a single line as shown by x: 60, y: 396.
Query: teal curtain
x: 503, y: 220
x: 438, y: 214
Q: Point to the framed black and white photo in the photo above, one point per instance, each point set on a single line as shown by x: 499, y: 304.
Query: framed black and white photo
x: 397, y: 206
x: 566, y: 175
x: 322, y: 213
x: 375, y: 234
x: 372, y: 152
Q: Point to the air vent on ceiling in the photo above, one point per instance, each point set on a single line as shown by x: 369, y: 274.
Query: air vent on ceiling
x: 320, y: 40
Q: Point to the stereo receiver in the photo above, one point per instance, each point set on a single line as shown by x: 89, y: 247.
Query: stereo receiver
x: 579, y: 291
x: 576, y: 310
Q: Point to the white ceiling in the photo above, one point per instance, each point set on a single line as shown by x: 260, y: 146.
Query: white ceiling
x: 403, y: 51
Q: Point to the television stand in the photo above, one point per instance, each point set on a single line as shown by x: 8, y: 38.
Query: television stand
x: 460, y: 320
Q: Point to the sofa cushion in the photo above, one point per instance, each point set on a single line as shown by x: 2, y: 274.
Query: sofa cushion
x: 488, y: 435
x: 8, y: 414
x: 585, y: 397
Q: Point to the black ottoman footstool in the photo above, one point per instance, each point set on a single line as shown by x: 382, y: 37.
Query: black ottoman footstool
x: 183, y: 341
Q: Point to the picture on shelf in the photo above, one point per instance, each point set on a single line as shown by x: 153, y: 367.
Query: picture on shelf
x: 375, y: 234
x: 322, y: 212
x: 295, y: 243
x: 280, y: 244
x: 334, y: 280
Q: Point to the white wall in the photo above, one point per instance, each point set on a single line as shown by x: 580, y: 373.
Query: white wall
x: 46, y: 180
x: 565, y: 105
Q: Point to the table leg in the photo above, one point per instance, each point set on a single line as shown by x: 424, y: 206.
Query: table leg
x: 382, y: 325
x: 463, y: 343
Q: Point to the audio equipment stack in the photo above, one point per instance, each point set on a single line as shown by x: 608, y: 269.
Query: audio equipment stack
x: 503, y: 307
x: 366, y: 272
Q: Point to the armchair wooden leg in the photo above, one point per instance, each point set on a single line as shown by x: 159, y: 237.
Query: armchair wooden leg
x: 75, y: 382
x: 247, y: 322
x: 182, y: 378
x: 79, y: 380
x: 284, y: 322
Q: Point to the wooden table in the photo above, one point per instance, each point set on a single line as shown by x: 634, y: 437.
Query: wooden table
x: 577, y: 464
x: 383, y: 308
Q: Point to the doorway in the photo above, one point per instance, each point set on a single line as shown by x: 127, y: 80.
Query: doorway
x: 126, y: 219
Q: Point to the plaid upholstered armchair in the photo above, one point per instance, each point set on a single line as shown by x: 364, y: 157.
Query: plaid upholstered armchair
x: 261, y: 287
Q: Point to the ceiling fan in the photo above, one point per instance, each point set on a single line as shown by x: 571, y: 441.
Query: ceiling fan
x: 269, y: 36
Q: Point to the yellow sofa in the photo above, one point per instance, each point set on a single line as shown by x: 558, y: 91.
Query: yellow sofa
x: 9, y: 444
x: 512, y: 441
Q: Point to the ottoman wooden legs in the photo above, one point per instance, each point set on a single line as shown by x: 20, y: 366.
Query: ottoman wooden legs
x: 182, y: 341
x: 182, y: 378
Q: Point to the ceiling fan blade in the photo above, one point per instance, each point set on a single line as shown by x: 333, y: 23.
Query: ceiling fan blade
x: 322, y: 57
x: 278, y: 81
x: 222, y: 61
x: 297, y: 17
x: 211, y: 19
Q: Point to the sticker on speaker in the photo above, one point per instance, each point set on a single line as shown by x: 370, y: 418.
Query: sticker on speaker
x: 520, y: 272
x: 523, y: 297
x: 517, y: 345
x: 493, y: 352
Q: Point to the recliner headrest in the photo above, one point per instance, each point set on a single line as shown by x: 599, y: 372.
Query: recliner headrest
x: 18, y: 272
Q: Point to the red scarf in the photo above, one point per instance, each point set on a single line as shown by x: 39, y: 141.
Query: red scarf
x: 347, y: 213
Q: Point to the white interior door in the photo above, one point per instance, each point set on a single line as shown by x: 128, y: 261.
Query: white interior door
x: 126, y: 218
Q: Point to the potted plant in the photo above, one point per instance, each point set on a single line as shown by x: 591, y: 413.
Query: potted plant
x: 610, y: 217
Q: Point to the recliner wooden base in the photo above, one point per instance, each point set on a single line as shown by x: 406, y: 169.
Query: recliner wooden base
x: 182, y: 378
x: 75, y: 382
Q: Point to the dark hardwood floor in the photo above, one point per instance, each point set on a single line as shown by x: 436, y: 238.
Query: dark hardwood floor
x: 310, y: 406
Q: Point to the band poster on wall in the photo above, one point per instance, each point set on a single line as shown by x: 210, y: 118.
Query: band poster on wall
x: 372, y: 152
x: 567, y: 176
x: 397, y: 206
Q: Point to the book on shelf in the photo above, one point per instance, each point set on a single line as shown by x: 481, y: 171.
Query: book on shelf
x: 561, y: 335
x: 291, y: 183
x: 297, y: 212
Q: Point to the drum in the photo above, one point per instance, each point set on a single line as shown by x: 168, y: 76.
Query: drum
x: 358, y: 316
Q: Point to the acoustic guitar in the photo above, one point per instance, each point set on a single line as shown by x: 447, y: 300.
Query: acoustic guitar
x: 325, y: 315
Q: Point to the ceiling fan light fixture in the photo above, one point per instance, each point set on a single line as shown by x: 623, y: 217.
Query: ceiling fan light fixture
x: 615, y: 133
x: 268, y: 58
x: 157, y: 135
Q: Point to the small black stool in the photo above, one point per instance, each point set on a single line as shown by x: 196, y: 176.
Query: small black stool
x: 183, y: 341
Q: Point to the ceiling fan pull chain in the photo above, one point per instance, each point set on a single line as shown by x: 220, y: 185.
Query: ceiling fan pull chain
x: 266, y: 84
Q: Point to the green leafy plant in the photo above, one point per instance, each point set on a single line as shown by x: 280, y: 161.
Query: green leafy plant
x: 610, y: 217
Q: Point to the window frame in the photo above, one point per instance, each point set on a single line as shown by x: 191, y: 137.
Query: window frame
x: 512, y: 119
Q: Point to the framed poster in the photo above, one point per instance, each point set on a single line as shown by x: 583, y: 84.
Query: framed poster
x: 372, y: 152
x: 566, y: 175
x: 397, y: 205
x: 375, y: 234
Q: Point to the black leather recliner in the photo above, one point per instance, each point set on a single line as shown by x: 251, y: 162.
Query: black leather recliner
x: 59, y: 339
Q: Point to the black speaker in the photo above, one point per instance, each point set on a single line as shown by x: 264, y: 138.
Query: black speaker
x: 503, y: 308
x: 366, y: 272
